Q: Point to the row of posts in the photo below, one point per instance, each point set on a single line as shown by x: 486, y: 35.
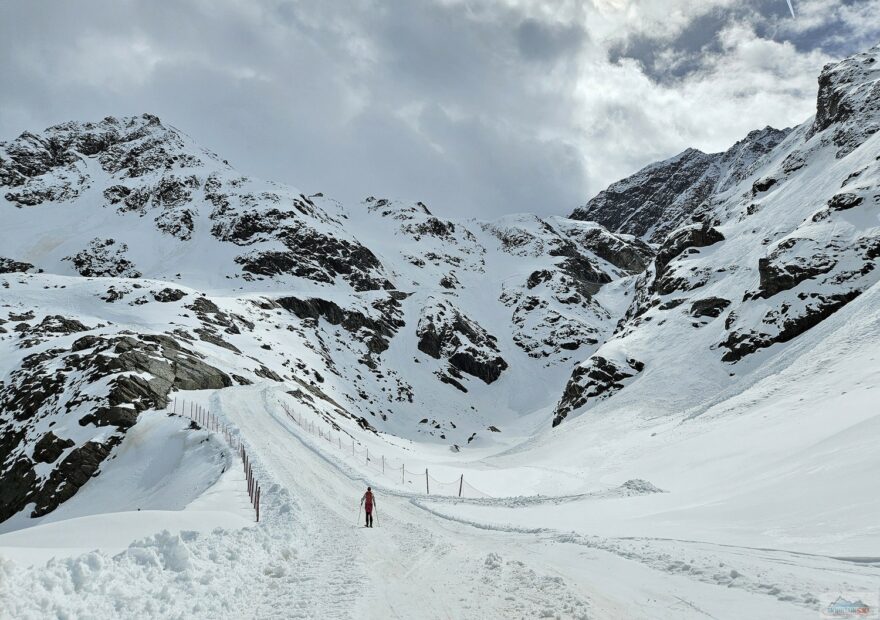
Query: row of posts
x: 209, y: 421
x: 252, y: 485
x: 310, y: 427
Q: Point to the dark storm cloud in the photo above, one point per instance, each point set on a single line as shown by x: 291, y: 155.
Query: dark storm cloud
x: 699, y: 37
x: 476, y: 108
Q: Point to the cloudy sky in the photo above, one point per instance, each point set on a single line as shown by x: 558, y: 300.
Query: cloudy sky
x: 476, y: 107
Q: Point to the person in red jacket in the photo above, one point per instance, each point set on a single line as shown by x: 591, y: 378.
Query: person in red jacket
x: 368, y: 502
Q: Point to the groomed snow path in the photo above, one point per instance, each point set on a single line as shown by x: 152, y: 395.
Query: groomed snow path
x: 309, y: 559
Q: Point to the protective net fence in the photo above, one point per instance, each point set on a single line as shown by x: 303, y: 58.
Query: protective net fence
x: 394, y: 470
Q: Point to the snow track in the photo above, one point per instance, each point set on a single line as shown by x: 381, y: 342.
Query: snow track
x: 420, y: 562
x: 406, y: 565
x: 308, y: 559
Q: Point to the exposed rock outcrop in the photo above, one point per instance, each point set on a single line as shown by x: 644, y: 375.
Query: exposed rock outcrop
x: 665, y: 195
x: 7, y: 265
x: 102, y: 382
x: 710, y: 306
x: 104, y: 258
x: 444, y: 333
x: 848, y: 104
x: 595, y: 379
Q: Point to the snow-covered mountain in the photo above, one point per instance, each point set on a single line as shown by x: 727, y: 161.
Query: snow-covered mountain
x: 136, y: 264
x: 664, y: 195
x: 767, y: 240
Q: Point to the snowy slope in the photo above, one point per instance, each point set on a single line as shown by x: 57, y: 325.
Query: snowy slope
x: 496, y: 558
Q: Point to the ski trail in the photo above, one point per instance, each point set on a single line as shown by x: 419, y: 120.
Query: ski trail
x: 307, y: 559
x: 421, y: 563
x: 327, y: 576
x: 401, y: 568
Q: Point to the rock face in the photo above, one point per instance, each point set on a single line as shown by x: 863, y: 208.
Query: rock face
x: 374, y: 333
x: 444, y: 333
x: 637, y: 204
x: 307, y: 254
x: 103, y: 258
x: 50, y: 447
x: 102, y: 383
x: 788, y: 265
x: 7, y: 265
x: 628, y: 254
x: 555, y: 315
x: 710, y: 306
x: 595, y: 379
x: 154, y: 172
x: 167, y: 295
x: 784, y: 326
x: 699, y: 236
x: 849, y: 102
x: 663, y: 196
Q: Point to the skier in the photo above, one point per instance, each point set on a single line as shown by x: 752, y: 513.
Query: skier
x: 368, y: 502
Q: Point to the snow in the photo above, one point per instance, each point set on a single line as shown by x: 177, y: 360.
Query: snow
x: 642, y: 556
x: 158, y: 465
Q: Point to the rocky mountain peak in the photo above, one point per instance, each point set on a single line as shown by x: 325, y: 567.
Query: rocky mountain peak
x: 849, y: 100
x: 133, y: 145
x: 665, y: 195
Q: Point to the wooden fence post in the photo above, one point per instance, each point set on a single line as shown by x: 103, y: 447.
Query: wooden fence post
x: 460, y: 484
x: 427, y: 485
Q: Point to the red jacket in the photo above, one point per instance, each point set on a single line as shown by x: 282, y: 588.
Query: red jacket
x: 368, y: 501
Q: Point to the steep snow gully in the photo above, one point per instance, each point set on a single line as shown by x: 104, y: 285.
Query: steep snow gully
x: 308, y: 558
